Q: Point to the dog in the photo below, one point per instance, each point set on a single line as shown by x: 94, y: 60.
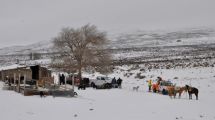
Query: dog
x: 42, y: 94
x: 135, y: 88
x: 82, y: 87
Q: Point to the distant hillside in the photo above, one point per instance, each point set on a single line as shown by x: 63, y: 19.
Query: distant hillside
x: 39, y: 47
x: 135, y: 46
x: 164, y: 38
x: 132, y: 40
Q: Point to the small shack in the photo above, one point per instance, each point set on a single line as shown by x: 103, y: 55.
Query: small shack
x: 25, y: 78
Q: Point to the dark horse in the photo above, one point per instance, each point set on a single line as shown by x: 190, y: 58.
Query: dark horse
x: 192, y: 90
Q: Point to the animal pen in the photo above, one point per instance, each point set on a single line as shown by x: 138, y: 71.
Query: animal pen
x: 28, y: 80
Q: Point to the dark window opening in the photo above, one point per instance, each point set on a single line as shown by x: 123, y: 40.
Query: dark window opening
x: 35, y: 72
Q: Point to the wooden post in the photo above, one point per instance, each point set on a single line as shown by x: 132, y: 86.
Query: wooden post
x: 44, y: 82
x: 24, y: 82
x: 36, y: 84
x: 65, y: 82
x: 14, y: 81
x: 19, y: 83
x: 73, y: 82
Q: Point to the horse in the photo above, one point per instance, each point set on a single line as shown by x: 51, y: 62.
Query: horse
x: 192, y: 90
x: 178, y: 90
x: 173, y: 90
x: 170, y: 91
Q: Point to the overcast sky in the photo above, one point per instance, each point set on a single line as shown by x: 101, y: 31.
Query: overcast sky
x: 28, y: 21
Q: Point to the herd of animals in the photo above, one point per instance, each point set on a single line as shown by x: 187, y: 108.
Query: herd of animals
x: 173, y: 90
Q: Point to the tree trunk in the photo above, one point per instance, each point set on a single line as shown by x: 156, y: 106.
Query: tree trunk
x: 79, y: 70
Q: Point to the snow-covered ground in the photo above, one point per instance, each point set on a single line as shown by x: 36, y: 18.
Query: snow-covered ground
x: 120, y: 104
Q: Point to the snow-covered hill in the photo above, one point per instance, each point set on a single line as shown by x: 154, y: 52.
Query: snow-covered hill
x: 133, y: 40
x: 39, y: 47
x: 164, y: 38
x: 136, y: 46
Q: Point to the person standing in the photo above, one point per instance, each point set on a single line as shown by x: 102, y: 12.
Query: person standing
x: 150, y: 84
x: 119, y: 82
x: 63, y: 79
x: 113, y: 82
x: 159, y: 79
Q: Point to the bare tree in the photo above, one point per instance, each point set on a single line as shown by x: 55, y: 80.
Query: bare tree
x: 81, y: 48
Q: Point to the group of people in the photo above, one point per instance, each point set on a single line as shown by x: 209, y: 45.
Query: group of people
x: 116, y: 83
x: 159, y: 79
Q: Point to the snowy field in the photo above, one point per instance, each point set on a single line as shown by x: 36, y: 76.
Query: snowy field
x: 120, y: 104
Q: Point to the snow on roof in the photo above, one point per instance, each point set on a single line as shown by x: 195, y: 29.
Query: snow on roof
x: 14, y: 66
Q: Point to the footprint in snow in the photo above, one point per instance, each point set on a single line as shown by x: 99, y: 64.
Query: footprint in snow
x: 179, y: 118
x: 201, y: 116
x: 30, y: 113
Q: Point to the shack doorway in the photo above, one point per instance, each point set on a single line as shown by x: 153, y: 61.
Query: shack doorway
x: 35, y: 72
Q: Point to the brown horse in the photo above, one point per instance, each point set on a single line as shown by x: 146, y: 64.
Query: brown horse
x: 179, y: 90
x: 173, y: 90
x: 192, y: 90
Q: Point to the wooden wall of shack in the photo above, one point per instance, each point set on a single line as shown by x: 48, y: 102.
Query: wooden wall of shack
x: 40, y: 75
x: 16, y: 73
x: 31, y: 73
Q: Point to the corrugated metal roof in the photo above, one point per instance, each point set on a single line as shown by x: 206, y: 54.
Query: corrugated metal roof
x: 14, y: 66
